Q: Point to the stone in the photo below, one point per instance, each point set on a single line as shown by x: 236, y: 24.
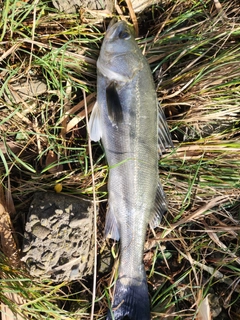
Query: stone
x: 59, y: 240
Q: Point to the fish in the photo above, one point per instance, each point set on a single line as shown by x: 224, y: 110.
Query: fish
x: 133, y: 130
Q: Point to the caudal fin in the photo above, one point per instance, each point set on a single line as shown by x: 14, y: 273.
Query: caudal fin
x: 131, y: 302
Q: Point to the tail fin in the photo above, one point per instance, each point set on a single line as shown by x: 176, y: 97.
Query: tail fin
x: 131, y: 302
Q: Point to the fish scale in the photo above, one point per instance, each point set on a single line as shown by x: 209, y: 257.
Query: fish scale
x: 126, y: 117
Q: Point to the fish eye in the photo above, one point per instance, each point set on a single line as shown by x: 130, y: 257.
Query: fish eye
x: 124, y: 35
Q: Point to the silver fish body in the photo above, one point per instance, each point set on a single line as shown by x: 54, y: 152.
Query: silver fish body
x: 126, y: 119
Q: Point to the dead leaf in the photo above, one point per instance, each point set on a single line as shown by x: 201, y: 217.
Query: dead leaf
x: 9, y: 248
x: 27, y: 88
x: 204, y: 312
x: 6, y: 313
x: 220, y: 9
x: 133, y: 17
x: 8, y: 244
x: 10, y: 207
x: 52, y: 162
x: 140, y: 5
x: 15, y: 148
x: 79, y: 117
x: 66, y: 110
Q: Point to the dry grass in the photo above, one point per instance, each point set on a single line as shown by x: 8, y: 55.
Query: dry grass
x: 47, y: 59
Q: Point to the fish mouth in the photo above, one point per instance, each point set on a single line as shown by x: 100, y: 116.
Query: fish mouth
x: 117, y: 29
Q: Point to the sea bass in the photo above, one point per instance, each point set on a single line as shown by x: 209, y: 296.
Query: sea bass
x: 127, y: 119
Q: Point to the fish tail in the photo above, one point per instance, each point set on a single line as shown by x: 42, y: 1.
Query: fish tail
x: 131, y: 302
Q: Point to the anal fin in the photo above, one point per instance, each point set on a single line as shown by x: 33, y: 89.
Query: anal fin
x: 160, y: 207
x: 111, y: 225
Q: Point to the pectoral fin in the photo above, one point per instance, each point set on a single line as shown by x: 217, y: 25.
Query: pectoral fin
x: 95, y: 129
x: 160, y: 207
x: 114, y: 107
x: 164, y: 136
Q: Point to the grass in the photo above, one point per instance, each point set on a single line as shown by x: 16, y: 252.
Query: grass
x: 194, y: 53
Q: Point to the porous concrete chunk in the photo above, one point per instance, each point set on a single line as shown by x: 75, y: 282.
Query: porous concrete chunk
x: 58, y: 239
x: 73, y: 6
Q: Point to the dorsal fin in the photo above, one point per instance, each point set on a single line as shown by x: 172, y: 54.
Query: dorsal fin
x: 164, y: 136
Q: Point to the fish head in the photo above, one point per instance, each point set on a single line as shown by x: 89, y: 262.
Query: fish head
x: 118, y: 39
x: 120, y: 56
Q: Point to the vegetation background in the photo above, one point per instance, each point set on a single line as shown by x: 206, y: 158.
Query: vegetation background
x: 47, y: 68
